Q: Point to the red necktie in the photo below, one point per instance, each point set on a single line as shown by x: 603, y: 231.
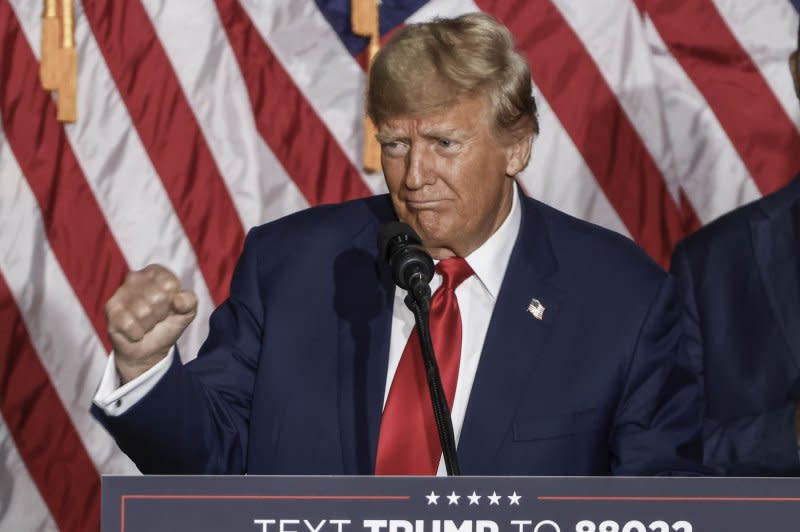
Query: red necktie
x: 408, y: 443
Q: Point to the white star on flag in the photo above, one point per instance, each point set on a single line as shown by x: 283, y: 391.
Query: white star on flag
x: 494, y: 498
x: 474, y: 498
x: 514, y: 499
x: 432, y: 498
x: 453, y: 498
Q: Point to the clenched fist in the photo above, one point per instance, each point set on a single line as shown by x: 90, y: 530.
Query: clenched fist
x: 146, y: 315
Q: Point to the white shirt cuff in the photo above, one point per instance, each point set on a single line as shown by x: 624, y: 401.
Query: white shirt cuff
x: 114, y: 399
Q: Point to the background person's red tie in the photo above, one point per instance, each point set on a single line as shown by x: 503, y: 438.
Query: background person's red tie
x: 408, y: 443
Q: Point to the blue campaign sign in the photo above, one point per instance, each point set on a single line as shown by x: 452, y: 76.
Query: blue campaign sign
x: 460, y: 504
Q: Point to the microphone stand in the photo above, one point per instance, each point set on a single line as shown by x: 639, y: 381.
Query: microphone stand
x: 418, y: 301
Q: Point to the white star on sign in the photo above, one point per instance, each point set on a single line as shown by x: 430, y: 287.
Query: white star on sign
x: 453, y: 498
x: 514, y: 499
x: 494, y: 498
x: 433, y: 498
x: 474, y: 498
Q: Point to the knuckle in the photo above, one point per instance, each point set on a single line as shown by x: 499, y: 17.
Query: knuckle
x: 156, y: 297
x: 151, y: 272
x: 127, y: 324
x: 141, y: 310
x: 117, y: 317
x: 169, y: 283
x: 153, y: 269
x: 166, y: 280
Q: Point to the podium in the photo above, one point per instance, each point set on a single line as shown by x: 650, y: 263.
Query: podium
x: 456, y: 504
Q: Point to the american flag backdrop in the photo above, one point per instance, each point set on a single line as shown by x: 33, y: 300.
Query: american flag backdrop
x: 201, y: 118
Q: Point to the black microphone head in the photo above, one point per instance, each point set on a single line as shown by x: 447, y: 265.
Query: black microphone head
x: 393, y: 234
x: 401, y: 247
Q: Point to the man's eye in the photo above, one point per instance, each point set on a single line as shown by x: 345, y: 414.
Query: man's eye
x: 393, y: 147
x: 445, y: 143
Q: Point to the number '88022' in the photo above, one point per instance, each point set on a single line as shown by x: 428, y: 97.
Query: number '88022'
x: 632, y: 526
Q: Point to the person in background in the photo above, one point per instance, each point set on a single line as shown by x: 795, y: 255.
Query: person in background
x: 740, y: 280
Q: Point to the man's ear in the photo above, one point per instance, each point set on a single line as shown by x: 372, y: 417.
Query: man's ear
x: 518, y: 153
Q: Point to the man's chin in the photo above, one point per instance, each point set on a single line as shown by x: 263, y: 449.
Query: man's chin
x: 429, y: 232
x: 423, y: 222
x: 437, y: 244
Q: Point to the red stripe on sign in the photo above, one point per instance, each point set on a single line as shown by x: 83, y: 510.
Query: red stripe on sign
x: 170, y: 134
x: 589, y: 111
x: 285, y: 120
x: 73, y: 221
x: 42, y: 431
x: 668, y: 499
x: 762, y: 134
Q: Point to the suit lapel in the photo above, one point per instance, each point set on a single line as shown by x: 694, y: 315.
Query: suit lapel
x: 363, y: 301
x: 775, y: 242
x: 513, y: 342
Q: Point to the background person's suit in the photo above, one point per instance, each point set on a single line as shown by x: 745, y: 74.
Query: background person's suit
x: 740, y: 278
x: 291, y: 379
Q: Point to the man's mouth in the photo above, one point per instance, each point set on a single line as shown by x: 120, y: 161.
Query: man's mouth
x: 423, y: 203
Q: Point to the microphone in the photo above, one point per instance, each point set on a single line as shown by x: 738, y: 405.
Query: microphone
x: 412, y: 266
x: 412, y: 270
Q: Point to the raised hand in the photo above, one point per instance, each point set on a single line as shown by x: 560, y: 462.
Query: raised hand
x: 146, y: 315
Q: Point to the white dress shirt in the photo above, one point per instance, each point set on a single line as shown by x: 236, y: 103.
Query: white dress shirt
x: 476, y: 299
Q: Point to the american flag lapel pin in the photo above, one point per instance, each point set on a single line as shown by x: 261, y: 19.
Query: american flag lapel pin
x: 536, y: 309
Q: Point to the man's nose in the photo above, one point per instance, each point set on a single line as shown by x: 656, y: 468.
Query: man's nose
x: 418, y: 172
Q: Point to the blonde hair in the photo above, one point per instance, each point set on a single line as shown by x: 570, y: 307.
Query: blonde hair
x: 429, y: 66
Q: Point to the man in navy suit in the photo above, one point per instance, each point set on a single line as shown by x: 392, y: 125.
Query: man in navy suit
x: 740, y: 278
x: 568, y: 361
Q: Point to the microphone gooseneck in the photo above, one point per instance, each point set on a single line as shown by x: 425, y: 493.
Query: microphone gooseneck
x: 412, y: 270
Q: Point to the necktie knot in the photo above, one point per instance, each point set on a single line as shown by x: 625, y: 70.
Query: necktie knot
x: 453, y: 271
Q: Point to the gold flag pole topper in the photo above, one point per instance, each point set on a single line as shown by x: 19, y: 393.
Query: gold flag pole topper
x: 48, y: 70
x: 68, y: 84
x: 59, y: 67
x: 364, y: 21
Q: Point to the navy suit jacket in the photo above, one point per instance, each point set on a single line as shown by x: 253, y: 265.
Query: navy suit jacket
x: 291, y: 378
x: 740, y: 278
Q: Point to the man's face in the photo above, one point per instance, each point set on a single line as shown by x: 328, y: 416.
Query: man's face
x: 449, y: 178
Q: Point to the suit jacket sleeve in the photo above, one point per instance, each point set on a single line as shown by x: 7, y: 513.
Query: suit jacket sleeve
x: 657, y: 421
x: 763, y: 443
x: 195, y: 420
